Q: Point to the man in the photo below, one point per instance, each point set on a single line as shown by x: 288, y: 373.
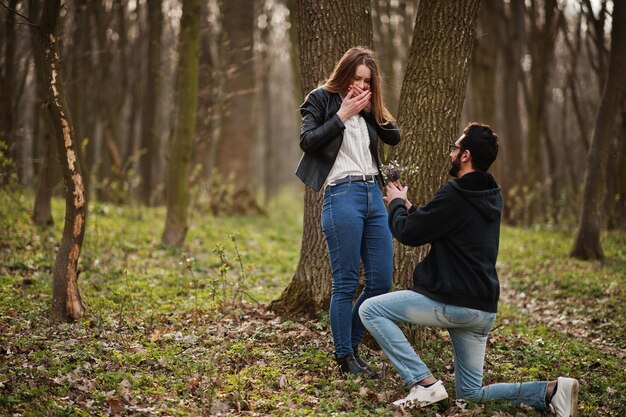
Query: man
x: 456, y: 286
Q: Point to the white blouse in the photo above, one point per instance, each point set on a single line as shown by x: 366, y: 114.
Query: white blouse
x: 354, y: 157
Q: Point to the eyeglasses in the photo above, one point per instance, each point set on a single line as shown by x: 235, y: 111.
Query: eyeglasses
x: 453, y: 147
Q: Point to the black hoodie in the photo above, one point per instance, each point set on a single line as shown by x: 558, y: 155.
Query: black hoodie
x: 462, y: 224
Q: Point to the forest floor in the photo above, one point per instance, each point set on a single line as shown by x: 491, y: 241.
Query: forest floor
x: 174, y: 333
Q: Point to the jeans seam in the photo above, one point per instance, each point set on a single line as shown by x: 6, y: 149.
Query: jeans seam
x: 336, y: 242
x: 395, y: 352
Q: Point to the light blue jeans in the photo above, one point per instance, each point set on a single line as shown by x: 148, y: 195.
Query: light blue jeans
x: 468, y: 330
x: 354, y: 220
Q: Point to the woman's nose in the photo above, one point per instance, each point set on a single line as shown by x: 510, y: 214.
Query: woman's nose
x: 360, y: 84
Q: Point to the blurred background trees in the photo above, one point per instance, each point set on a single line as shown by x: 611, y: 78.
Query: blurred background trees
x: 537, y: 72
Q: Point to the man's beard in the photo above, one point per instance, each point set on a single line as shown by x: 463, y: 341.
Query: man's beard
x: 456, y: 166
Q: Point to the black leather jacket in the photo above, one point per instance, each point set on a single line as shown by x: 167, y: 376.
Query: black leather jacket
x: 321, y: 136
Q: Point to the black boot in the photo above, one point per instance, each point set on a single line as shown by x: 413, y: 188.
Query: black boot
x: 358, y: 359
x: 349, y: 365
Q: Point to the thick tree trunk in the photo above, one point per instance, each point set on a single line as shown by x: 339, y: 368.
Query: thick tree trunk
x: 309, y: 290
x: 66, y: 301
x: 431, y: 101
x: 587, y: 242
x: 150, y: 125
x: 177, y: 186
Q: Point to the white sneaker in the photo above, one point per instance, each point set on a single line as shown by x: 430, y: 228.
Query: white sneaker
x: 421, y: 397
x: 565, y: 401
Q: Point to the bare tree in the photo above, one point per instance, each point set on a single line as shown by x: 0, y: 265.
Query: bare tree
x: 309, y: 290
x: 66, y: 300
x: 177, y: 186
x: 239, y: 115
x: 150, y: 125
x: 49, y: 174
x: 541, y: 39
x: 511, y: 29
x: 587, y: 242
x: 7, y: 80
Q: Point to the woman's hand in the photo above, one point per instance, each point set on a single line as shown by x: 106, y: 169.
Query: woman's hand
x: 359, y: 90
x: 353, y: 103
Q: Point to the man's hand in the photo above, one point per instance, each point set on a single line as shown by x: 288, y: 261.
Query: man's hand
x: 395, y: 190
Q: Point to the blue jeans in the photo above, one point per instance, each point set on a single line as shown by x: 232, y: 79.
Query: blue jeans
x: 468, y: 330
x: 354, y: 220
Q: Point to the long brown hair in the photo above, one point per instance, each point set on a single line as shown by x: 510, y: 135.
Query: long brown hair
x: 343, y: 76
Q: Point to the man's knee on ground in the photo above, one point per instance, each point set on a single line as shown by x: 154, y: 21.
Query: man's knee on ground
x: 470, y: 394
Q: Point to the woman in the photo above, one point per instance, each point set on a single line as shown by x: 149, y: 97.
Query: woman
x: 341, y: 123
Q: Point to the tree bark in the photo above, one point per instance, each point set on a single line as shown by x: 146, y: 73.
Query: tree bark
x: 150, y: 125
x: 326, y: 30
x: 177, y: 186
x: 431, y: 101
x: 512, y: 33
x: 49, y: 171
x: 48, y: 178
x: 66, y: 300
x: 618, y: 204
x: 541, y: 42
x: 111, y: 94
x: 237, y: 137
x: 7, y: 79
x: 587, y: 242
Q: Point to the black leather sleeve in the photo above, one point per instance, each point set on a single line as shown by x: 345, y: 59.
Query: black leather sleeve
x: 317, y: 128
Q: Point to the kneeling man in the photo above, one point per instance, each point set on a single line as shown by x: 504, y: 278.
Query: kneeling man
x: 456, y: 286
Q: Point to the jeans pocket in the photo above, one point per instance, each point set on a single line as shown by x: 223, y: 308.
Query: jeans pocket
x: 490, y: 319
x: 455, y: 315
x: 339, y: 190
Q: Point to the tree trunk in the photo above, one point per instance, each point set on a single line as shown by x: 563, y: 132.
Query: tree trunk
x: 512, y: 33
x: 150, y: 125
x: 207, y: 112
x: 541, y: 45
x: 431, y: 101
x: 483, y: 65
x: 587, y: 242
x: 48, y: 178
x: 49, y: 172
x: 177, y: 186
x: 236, y: 144
x: 7, y: 79
x: 618, y: 205
x: 111, y: 95
x: 309, y: 290
x: 66, y: 301
x: 480, y: 105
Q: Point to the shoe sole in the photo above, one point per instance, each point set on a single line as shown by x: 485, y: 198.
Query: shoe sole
x: 421, y: 404
x: 573, y: 407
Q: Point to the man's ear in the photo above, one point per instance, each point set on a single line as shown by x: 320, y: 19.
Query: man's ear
x: 466, y: 156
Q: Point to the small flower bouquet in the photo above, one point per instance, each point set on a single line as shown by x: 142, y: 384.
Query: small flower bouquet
x: 394, y: 172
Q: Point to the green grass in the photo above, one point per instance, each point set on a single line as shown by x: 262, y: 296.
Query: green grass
x: 187, y: 332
